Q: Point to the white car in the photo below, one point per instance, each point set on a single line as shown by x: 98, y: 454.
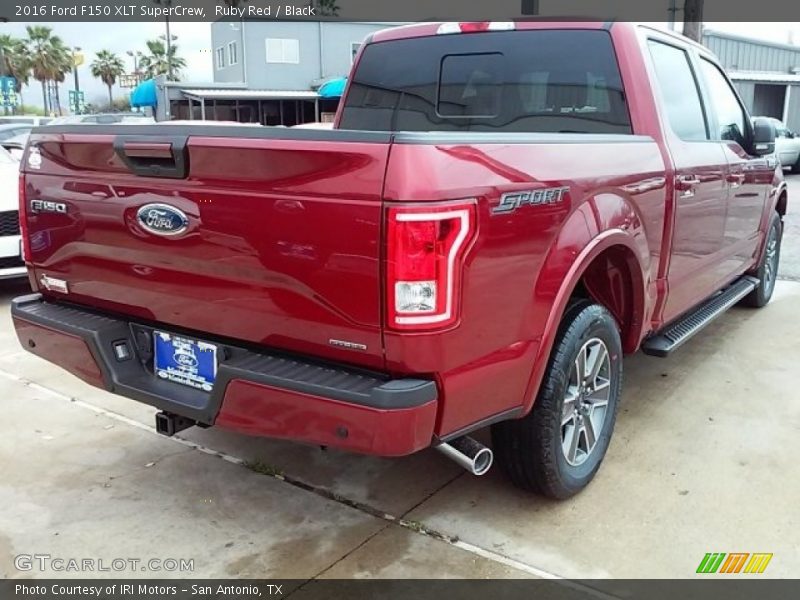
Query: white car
x: 787, y: 146
x: 32, y: 120
x: 11, y: 264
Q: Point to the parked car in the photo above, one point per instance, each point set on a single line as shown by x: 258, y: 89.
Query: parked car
x: 787, y: 146
x: 11, y: 264
x: 15, y: 145
x: 13, y: 129
x: 478, y: 241
x: 103, y: 119
x: 32, y: 120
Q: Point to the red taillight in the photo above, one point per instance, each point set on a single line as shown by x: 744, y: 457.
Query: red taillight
x: 23, y: 221
x: 473, y: 27
x: 426, y: 247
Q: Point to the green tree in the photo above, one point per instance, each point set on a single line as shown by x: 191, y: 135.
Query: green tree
x: 325, y: 8
x: 16, y: 61
x: 107, y: 66
x: 50, y: 61
x: 156, y: 62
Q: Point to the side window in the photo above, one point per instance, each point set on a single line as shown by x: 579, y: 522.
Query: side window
x: 679, y: 94
x: 729, y: 113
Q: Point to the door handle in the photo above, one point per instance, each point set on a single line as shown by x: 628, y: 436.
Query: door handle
x: 686, y: 184
x: 735, y: 179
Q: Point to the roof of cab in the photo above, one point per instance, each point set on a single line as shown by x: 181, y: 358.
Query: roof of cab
x: 428, y: 29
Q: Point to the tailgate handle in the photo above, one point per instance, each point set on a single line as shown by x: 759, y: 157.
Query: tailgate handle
x: 154, y: 156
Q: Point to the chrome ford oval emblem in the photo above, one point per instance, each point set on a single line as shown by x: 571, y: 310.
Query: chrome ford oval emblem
x: 162, y: 219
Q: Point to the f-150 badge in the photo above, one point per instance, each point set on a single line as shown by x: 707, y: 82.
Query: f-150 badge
x: 513, y: 200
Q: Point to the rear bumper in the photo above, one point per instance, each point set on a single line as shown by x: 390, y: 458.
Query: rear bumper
x: 259, y: 393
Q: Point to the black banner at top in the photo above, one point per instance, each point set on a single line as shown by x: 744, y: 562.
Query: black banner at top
x: 396, y: 11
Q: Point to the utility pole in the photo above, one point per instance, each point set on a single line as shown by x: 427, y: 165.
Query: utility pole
x: 673, y: 8
x: 135, y: 55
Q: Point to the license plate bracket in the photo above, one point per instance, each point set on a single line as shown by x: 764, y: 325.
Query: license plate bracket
x: 184, y: 360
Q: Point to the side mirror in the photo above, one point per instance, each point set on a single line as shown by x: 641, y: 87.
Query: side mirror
x: 763, y: 137
x: 790, y: 134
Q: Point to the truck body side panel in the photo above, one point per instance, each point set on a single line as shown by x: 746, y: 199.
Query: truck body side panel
x: 520, y: 259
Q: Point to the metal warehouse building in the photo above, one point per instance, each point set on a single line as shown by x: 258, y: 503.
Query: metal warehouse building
x: 767, y: 74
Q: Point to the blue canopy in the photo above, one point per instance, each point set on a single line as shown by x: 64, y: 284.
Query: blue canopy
x: 333, y: 88
x: 144, y: 94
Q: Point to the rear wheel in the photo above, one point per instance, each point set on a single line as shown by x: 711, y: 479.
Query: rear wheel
x: 558, y: 447
x: 767, y: 271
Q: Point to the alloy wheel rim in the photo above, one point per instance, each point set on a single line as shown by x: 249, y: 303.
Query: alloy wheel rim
x: 771, y: 262
x: 585, y: 405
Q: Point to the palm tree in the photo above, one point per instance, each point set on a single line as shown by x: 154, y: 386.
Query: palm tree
x: 107, y: 66
x: 50, y: 60
x: 64, y: 65
x: 156, y: 61
x: 17, y: 64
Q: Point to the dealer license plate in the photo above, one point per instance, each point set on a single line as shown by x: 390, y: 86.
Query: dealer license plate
x: 185, y: 361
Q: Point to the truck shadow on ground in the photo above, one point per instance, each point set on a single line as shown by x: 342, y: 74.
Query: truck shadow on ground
x: 654, y: 390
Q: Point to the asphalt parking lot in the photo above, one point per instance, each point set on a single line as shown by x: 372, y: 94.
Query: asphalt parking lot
x: 703, y: 460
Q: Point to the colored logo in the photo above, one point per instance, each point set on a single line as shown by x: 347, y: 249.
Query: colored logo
x: 162, y: 219
x: 185, y: 358
x: 734, y: 562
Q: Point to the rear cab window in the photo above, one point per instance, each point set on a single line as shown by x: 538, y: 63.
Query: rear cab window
x: 564, y: 81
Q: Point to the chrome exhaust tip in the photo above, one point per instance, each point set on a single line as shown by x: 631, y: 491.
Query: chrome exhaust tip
x: 469, y: 454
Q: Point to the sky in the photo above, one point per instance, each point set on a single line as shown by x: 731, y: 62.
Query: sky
x: 194, y: 44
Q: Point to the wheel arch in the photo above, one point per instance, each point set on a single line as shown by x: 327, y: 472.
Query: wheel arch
x: 783, y: 200
x: 615, y: 248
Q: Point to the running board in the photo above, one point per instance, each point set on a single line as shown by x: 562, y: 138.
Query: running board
x: 678, y: 332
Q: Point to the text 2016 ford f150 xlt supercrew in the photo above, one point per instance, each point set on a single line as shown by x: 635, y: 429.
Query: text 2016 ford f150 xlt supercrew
x: 500, y: 213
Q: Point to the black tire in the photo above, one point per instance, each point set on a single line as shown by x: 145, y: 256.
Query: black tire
x: 767, y: 271
x: 530, y: 450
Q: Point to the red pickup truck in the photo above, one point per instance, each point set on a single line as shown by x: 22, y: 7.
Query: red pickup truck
x: 501, y: 211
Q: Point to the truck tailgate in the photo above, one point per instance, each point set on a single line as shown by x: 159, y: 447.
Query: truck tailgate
x: 267, y: 236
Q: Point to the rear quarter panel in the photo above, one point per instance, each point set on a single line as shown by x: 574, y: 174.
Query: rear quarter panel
x: 524, y: 263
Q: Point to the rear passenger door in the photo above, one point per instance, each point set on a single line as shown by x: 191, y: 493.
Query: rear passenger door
x: 700, y: 186
x: 749, y: 177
